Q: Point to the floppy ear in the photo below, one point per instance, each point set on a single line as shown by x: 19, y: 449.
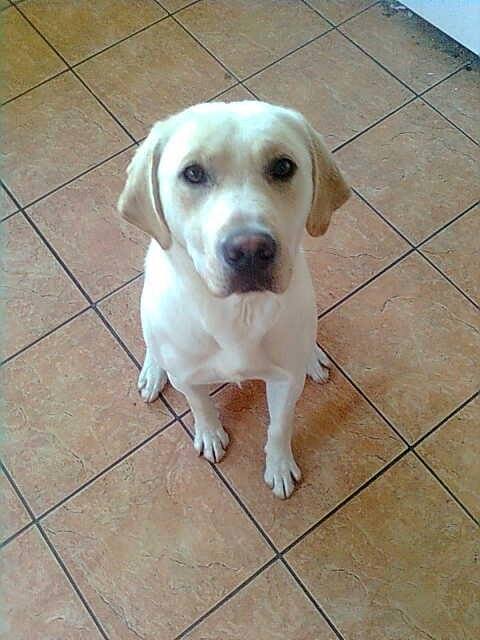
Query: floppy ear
x: 330, y: 190
x: 139, y: 202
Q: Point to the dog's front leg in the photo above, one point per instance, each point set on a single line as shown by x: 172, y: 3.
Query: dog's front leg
x: 211, y: 440
x: 281, y: 470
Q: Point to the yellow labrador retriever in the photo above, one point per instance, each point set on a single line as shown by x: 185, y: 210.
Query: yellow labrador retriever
x: 225, y: 191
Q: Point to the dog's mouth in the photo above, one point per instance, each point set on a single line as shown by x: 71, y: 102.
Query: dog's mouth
x: 250, y: 282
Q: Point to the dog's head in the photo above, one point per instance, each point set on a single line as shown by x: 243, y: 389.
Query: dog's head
x: 234, y: 184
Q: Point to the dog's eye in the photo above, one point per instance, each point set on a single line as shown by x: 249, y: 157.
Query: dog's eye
x: 195, y: 174
x: 282, y: 169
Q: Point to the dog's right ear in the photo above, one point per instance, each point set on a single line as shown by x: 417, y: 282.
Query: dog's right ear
x: 139, y: 202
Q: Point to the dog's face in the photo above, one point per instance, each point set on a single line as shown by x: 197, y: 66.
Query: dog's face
x: 234, y: 184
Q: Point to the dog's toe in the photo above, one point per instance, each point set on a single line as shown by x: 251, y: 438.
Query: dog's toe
x: 151, y: 381
x: 319, y: 365
x: 212, y: 444
x: 281, y: 475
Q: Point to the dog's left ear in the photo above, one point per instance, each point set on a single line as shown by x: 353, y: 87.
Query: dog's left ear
x: 139, y: 202
x: 330, y: 190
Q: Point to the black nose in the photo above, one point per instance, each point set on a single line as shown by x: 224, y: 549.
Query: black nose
x: 249, y: 250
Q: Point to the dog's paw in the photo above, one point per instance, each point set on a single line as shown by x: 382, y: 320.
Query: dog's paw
x: 319, y: 365
x: 211, y: 442
x: 281, y: 475
x: 151, y: 380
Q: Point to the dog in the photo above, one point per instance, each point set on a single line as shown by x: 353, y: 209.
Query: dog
x: 226, y: 190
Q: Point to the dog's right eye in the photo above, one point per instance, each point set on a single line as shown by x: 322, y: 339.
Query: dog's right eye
x: 195, y: 174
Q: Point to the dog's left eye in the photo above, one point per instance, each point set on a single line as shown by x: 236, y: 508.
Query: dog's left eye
x: 282, y: 169
x: 195, y: 174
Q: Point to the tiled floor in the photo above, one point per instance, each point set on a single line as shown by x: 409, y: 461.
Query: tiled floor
x: 111, y: 526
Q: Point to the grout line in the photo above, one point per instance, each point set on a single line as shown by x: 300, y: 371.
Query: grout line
x: 426, y: 435
x: 9, y: 215
x: 44, y: 514
x: 78, y: 175
x: 345, y: 501
x: 450, y: 122
x: 35, y: 86
x: 225, y: 599
x: 212, y: 55
x: 446, y: 487
x: 79, y: 78
x: 447, y: 224
x: 310, y: 597
x: 125, y: 284
x: 43, y: 336
x: 12, y: 537
x: 337, y: 24
x: 73, y: 584
x: 447, y: 278
x: 17, y: 491
x: 349, y: 295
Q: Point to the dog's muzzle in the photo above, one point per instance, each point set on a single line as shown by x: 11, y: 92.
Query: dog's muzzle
x: 250, y: 256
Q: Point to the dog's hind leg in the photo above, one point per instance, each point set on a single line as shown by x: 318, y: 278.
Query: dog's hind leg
x: 319, y: 365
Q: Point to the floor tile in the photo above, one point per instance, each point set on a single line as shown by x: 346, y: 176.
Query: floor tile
x: 34, y: 287
x: 4, y: 4
x: 82, y: 28
x: 72, y: 408
x: 339, y: 443
x: 7, y: 206
x: 458, y: 99
x: 82, y: 224
x: 404, y: 339
x: 456, y: 251
x: 14, y: 515
x: 247, y: 36
x: 399, y: 561
x: 122, y: 311
x: 358, y: 245
x: 138, y: 92
x: 339, y: 10
x: 162, y: 543
x: 453, y: 451
x: 52, y: 134
x: 27, y: 60
x: 338, y: 88
x: 416, y: 168
x: 38, y: 602
x: 175, y: 5
x: 260, y: 611
x: 426, y: 55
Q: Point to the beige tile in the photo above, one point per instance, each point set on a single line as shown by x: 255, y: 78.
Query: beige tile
x: 4, y: 4
x: 14, y: 515
x: 140, y: 92
x: 260, y: 610
x: 71, y: 408
x: 338, y: 88
x: 399, y: 561
x: 26, y: 58
x: 82, y: 224
x: 52, y: 134
x: 453, y: 451
x: 7, y: 206
x: 358, y: 245
x: 410, y: 340
x: 36, y: 291
x: 82, y: 28
x: 122, y: 311
x: 339, y: 10
x: 38, y: 602
x: 458, y: 98
x: 416, y: 168
x: 457, y: 252
x: 426, y: 55
x: 157, y: 541
x: 247, y: 36
x: 339, y: 443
